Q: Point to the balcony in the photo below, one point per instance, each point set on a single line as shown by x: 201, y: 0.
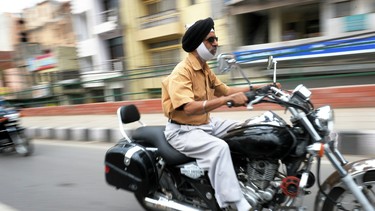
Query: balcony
x: 163, y: 24
x: 108, y: 25
x: 97, y: 75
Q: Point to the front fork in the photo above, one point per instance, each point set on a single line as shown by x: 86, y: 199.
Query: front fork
x: 338, y: 161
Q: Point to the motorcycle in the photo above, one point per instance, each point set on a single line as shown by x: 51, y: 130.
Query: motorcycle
x: 272, y: 159
x: 12, y: 135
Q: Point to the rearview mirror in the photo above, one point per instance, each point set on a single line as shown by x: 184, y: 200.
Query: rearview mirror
x: 270, y: 62
x: 225, y: 62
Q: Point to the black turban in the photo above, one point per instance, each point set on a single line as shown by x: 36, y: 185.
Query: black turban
x: 196, y: 33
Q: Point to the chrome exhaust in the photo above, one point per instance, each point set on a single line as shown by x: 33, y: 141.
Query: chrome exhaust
x: 165, y: 204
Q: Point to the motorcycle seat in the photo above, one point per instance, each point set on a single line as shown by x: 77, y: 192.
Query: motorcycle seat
x: 154, y: 135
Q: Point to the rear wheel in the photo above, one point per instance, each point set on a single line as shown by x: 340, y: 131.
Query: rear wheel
x: 345, y: 199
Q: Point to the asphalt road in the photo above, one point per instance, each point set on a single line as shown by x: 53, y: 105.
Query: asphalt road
x: 67, y: 175
x: 60, y: 176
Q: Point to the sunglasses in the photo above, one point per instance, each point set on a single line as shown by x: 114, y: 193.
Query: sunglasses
x: 212, y: 39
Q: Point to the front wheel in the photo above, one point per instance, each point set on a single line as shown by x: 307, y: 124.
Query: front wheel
x: 22, y: 144
x: 341, y: 199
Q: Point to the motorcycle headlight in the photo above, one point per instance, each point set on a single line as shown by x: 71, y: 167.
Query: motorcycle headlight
x: 13, y: 117
x: 302, y: 91
x: 324, y: 119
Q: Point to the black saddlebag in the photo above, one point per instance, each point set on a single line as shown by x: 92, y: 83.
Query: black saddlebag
x: 130, y: 167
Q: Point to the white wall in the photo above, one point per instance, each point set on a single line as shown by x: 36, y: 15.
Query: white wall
x: 92, y: 45
x: 335, y: 27
x: 5, y: 33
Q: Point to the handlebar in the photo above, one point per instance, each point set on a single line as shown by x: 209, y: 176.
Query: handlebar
x: 253, y: 96
x: 258, y: 95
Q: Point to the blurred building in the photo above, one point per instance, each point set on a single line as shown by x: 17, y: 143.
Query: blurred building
x: 100, y: 48
x: 44, y: 55
x: 124, y: 48
x: 153, y: 30
x: 50, y: 24
x: 329, y: 42
x: 54, y: 74
x: 318, y: 43
x: 9, y: 76
x: 6, y: 49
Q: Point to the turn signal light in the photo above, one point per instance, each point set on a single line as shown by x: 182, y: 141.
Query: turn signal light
x: 321, y: 151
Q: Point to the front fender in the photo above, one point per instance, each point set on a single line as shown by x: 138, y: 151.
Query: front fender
x: 355, y: 169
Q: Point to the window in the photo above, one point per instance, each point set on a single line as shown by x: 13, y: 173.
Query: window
x: 117, y: 94
x: 97, y: 95
x: 86, y: 64
x: 165, y: 57
x: 116, y: 48
x: 161, y: 6
x: 342, y: 9
x: 110, y: 4
x: 301, y: 22
x: 166, y: 52
x: 45, y: 77
x: 82, y: 25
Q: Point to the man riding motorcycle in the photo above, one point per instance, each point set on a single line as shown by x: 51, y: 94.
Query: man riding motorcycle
x: 189, y: 93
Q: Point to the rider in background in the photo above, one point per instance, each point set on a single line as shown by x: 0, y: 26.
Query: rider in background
x: 189, y: 93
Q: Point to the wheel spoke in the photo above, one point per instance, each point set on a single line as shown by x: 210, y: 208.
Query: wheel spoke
x: 369, y: 193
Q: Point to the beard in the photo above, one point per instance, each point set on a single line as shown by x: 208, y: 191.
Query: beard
x: 206, y: 54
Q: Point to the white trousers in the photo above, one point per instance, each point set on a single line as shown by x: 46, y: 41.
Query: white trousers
x: 212, y: 154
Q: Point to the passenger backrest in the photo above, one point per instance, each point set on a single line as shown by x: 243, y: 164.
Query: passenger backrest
x: 128, y: 114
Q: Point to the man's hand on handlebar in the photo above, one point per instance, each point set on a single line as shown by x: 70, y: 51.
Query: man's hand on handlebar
x: 237, y: 99
x: 264, y: 89
x: 242, y: 99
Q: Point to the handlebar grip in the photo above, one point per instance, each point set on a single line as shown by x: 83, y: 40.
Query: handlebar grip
x: 230, y: 104
x: 264, y: 89
x: 250, y: 96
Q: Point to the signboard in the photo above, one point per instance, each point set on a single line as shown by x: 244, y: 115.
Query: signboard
x: 318, y: 49
x: 355, y: 22
x: 42, y: 62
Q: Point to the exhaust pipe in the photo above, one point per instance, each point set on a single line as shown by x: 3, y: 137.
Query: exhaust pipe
x: 169, y: 205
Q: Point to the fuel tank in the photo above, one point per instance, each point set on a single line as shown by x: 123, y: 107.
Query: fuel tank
x: 265, y: 136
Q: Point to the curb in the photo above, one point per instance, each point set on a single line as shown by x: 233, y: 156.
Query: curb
x: 74, y: 134
x: 349, y: 142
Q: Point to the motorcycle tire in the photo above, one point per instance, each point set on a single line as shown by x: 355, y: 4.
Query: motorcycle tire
x: 339, y: 195
x: 23, y: 145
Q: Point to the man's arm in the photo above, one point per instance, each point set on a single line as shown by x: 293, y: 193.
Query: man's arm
x: 200, y: 107
x: 235, y: 94
x: 233, y: 90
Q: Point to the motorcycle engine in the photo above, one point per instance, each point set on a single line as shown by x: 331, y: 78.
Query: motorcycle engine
x: 261, y: 172
x: 258, y: 184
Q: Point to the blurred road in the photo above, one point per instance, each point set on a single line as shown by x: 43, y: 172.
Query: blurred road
x: 60, y: 176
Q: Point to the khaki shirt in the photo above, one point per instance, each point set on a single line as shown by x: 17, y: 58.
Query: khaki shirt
x: 188, y: 82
